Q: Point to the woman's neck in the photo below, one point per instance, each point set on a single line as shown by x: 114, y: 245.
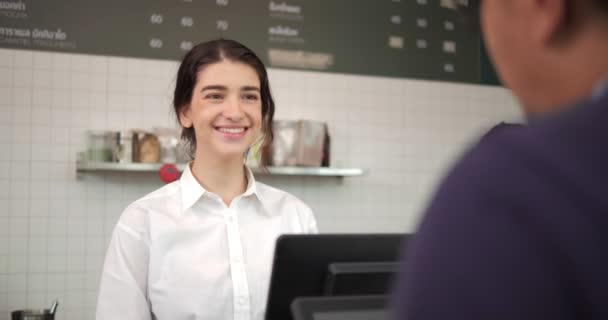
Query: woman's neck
x: 225, y: 177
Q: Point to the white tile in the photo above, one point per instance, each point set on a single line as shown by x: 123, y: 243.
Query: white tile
x: 36, y: 299
x: 5, y: 170
x: 80, y: 80
x: 4, y: 190
x: 91, y: 295
x: 23, y: 77
x: 37, y: 263
x: 117, y: 102
x: 98, y: 120
x: 116, y: 120
x: 43, y: 60
x: 6, y: 99
x: 58, y: 207
x: 37, y: 242
x: 42, y: 97
x: 7, y: 57
x: 75, y: 282
x: 61, y: 61
x: 22, y: 115
x: 40, y: 152
x: 6, y: 134
x: 117, y: 65
x: 17, y: 263
x: 60, y: 135
x: 99, y: 64
x: 4, y: 264
x: 60, y: 117
x: 135, y: 85
x: 20, y: 152
x: 19, y: 226
x: 20, y: 171
x: 4, y: 248
x: 96, y: 247
x: 3, y: 284
x: 43, y: 78
x: 79, y: 62
x: 22, y: 97
x: 17, y: 300
x: 39, y: 207
x: 80, y: 99
x: 75, y: 264
x: 98, y: 83
x: 38, y: 227
x: 56, y: 281
x: 117, y: 83
x: 76, y: 227
x: 59, y: 171
x: 17, y: 282
x: 24, y: 59
x: 57, y: 263
x: 94, y: 226
x: 22, y: 133
x: 60, y: 153
x: 40, y: 133
x: 57, y: 245
x: 61, y: 79
x: 6, y: 77
x: 98, y: 101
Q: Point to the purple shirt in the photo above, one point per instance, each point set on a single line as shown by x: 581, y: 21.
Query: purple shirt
x: 519, y: 228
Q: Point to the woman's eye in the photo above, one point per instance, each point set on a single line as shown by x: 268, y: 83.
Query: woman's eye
x: 251, y: 97
x: 214, y: 96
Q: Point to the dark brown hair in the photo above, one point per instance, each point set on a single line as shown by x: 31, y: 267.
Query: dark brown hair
x: 215, y: 51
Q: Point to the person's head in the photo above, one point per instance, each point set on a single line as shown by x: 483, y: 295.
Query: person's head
x: 222, y: 99
x: 549, y: 52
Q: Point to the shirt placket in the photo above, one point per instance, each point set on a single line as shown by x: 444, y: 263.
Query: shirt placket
x: 241, y: 301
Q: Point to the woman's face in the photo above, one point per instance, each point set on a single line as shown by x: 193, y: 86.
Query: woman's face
x: 225, y: 110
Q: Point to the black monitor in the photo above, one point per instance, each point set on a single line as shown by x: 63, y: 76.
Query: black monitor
x: 301, y: 262
x: 374, y: 307
x: 360, y: 278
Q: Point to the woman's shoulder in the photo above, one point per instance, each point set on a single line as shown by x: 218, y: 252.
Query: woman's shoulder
x: 162, y: 200
x: 274, y: 196
x: 163, y: 195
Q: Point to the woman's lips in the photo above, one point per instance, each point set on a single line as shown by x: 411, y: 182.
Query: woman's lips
x: 232, y: 132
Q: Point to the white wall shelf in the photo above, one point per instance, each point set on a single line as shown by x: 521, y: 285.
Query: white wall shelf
x: 83, y: 166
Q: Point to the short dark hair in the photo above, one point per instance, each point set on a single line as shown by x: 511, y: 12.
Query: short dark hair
x: 602, y: 4
x: 215, y: 51
x: 470, y: 14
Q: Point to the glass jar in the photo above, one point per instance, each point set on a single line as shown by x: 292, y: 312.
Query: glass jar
x: 124, y: 150
x: 101, y: 145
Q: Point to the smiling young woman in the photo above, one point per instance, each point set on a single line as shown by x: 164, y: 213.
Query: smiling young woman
x: 202, y: 247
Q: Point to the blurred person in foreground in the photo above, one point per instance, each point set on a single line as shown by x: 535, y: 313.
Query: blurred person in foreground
x: 519, y: 228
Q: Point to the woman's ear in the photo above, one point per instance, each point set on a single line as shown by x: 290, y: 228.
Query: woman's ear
x: 185, y: 116
x: 551, y: 20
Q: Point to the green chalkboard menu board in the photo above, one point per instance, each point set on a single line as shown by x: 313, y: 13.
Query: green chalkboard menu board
x: 423, y: 39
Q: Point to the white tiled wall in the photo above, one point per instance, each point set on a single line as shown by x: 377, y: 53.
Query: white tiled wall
x: 54, y: 225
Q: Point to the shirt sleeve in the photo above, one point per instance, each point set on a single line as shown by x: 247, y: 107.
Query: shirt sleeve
x: 122, y: 293
x: 310, y: 223
x: 479, y: 252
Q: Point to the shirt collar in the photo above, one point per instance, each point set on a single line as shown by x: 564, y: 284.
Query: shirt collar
x: 192, y: 190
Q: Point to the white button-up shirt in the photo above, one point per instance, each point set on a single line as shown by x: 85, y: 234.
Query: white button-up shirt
x: 181, y: 253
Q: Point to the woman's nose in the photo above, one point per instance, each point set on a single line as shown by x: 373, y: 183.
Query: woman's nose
x: 233, y: 110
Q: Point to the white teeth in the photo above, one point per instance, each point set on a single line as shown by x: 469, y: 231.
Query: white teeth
x: 232, y: 130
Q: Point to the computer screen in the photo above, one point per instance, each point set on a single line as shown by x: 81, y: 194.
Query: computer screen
x: 301, y: 262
